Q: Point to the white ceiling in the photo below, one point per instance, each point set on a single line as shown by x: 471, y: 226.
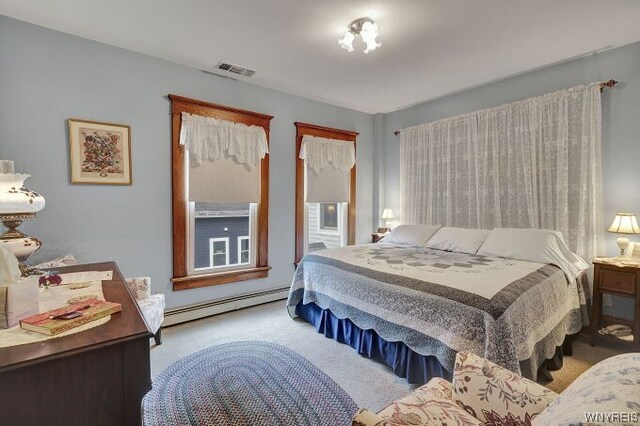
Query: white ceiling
x: 430, y: 48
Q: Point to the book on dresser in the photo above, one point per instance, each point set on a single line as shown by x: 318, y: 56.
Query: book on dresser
x: 66, y: 318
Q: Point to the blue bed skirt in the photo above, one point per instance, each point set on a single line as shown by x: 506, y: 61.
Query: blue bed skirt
x: 404, y: 362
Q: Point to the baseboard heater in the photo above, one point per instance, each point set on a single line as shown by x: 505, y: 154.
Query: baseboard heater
x: 203, y: 310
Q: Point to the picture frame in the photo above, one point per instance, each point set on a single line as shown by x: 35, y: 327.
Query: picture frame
x: 633, y: 251
x: 99, y: 152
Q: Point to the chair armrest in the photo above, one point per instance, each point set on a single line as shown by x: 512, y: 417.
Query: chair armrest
x: 494, y: 394
x: 365, y: 417
x: 139, y: 286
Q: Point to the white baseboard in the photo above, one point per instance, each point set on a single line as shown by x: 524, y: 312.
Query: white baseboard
x: 194, y: 312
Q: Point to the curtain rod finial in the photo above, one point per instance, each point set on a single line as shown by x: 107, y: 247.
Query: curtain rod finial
x: 609, y: 83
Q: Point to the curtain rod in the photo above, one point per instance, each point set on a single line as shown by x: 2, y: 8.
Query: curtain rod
x: 603, y: 85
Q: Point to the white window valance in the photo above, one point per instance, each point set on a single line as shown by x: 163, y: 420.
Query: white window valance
x: 318, y: 153
x: 209, y: 139
x: 327, y: 166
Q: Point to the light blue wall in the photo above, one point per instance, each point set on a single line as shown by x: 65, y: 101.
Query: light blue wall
x: 47, y: 77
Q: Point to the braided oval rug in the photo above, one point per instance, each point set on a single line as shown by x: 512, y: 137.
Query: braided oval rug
x: 246, y: 383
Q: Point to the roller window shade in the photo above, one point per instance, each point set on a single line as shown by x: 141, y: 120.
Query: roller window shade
x: 328, y: 185
x: 224, y: 181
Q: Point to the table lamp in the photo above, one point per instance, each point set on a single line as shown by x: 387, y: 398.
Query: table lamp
x: 387, y: 215
x: 624, y: 223
x: 18, y: 204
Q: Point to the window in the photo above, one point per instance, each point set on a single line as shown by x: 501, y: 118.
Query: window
x: 328, y: 216
x: 218, y: 252
x: 323, y: 224
x: 243, y: 250
x: 216, y: 242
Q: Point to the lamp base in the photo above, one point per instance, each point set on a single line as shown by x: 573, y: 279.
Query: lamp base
x: 27, y: 270
x: 623, y: 243
x: 20, y: 244
x: 22, y: 248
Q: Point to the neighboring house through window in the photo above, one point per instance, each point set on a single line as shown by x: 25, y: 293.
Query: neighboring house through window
x: 222, y: 228
x: 326, y: 226
x: 328, y: 217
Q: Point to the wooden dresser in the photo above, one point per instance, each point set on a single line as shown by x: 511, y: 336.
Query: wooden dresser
x: 95, y: 377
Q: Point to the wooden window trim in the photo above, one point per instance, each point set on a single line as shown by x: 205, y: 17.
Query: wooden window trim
x: 181, y: 279
x: 323, y: 132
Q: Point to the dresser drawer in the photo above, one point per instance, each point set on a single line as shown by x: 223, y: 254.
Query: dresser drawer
x: 620, y: 282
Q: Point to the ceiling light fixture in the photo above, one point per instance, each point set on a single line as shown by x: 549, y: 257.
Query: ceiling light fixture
x: 368, y: 31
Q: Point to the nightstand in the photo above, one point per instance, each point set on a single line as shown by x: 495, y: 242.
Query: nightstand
x: 620, y: 279
x: 377, y: 237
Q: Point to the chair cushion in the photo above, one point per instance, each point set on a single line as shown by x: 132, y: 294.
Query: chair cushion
x: 364, y: 417
x: 495, y: 395
x: 430, y: 404
x: 58, y: 262
x: 139, y: 286
x: 611, y: 386
x: 153, y: 311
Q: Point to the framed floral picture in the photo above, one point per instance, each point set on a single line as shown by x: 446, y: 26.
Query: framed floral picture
x: 100, y: 153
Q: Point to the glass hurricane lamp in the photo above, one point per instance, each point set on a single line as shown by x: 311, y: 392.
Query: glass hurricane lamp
x: 17, y: 204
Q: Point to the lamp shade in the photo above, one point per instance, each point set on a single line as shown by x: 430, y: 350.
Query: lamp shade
x: 387, y: 214
x: 625, y: 223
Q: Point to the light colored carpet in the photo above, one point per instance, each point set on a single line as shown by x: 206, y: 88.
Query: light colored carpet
x: 370, y: 384
x: 584, y: 356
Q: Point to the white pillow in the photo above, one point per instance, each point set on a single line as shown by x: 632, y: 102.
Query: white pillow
x: 462, y: 240
x: 411, y: 234
x: 534, y: 245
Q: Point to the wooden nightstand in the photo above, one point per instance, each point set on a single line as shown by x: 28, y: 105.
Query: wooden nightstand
x: 620, y: 279
x: 376, y: 237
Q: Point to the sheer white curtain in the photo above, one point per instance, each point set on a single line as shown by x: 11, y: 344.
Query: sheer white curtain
x: 533, y: 163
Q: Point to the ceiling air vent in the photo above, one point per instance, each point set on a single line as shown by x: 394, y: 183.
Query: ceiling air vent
x: 246, y: 72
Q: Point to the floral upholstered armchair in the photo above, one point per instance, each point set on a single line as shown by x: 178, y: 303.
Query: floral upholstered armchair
x: 151, y: 305
x: 483, y: 393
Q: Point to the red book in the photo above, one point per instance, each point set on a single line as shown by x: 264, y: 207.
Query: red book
x: 50, y: 323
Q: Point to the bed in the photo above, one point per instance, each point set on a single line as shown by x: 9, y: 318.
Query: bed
x: 414, y: 307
